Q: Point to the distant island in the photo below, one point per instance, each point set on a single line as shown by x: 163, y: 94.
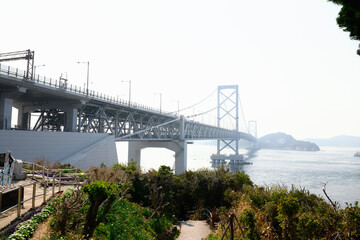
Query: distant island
x: 284, y: 141
x: 337, y: 141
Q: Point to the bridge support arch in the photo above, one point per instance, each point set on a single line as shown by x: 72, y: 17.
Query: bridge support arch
x: 179, y: 147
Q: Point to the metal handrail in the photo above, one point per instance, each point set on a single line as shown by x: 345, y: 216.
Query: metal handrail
x: 11, y: 208
x: 43, y: 171
x: 46, y: 190
x: 22, y: 202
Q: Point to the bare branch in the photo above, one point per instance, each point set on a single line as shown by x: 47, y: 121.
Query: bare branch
x: 334, y: 204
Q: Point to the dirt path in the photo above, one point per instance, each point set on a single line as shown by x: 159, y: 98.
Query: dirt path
x: 194, y: 230
x: 41, y: 230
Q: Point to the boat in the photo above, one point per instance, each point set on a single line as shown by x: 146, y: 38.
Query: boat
x: 357, y: 154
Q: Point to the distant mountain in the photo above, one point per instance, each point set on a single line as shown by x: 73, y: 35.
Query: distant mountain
x: 285, y: 142
x: 338, y: 141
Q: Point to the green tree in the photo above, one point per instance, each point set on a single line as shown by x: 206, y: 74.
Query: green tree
x: 68, y: 214
x: 100, y: 193
x: 349, y: 18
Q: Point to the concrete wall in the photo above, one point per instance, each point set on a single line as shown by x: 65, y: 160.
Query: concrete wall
x: 80, y: 149
x: 102, y: 151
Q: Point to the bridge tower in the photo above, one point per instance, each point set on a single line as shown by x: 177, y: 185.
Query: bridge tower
x: 228, y: 110
x: 254, y: 146
x: 253, y: 128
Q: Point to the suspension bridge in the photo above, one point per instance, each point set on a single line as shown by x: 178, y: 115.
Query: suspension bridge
x: 56, y: 120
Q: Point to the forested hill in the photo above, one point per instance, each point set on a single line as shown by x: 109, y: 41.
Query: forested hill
x: 284, y: 141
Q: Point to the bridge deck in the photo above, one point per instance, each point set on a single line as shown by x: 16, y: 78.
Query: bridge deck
x: 63, y: 107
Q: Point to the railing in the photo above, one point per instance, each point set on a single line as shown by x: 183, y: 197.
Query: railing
x: 20, y: 192
x: 48, y: 176
x: 63, y: 86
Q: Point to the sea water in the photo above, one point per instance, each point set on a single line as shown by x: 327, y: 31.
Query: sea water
x: 336, y: 169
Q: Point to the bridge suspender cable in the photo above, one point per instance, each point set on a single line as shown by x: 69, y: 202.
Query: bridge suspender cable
x: 242, y: 112
x: 202, y: 113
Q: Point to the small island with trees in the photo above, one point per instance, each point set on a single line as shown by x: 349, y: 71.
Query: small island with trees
x: 282, y: 141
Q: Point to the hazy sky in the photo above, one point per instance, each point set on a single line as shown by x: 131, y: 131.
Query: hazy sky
x: 297, y: 71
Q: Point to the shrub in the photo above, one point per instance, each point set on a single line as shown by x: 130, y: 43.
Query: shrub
x: 351, y: 221
x: 278, y: 213
x: 127, y: 221
x: 248, y: 219
x: 191, y: 191
x: 68, y: 214
x: 99, y: 193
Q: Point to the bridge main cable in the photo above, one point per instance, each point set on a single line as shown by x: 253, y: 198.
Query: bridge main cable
x: 202, y: 100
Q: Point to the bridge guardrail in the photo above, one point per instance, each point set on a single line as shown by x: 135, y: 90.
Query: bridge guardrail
x: 61, y: 86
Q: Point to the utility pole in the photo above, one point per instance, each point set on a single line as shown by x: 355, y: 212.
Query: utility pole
x: 129, y: 90
x: 42, y: 65
x: 87, y: 77
x: 160, y: 94
x: 178, y: 107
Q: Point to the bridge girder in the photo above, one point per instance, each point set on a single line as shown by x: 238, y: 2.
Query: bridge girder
x: 134, y: 125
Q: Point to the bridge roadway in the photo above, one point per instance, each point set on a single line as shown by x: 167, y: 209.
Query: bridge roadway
x: 62, y: 107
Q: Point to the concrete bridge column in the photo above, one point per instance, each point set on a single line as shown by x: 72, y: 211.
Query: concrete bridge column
x: 20, y: 116
x: 5, y: 112
x: 23, y: 117
x: 179, y: 147
x: 181, y: 158
x: 25, y: 121
x: 71, y: 115
x: 134, y: 152
x: 6, y: 105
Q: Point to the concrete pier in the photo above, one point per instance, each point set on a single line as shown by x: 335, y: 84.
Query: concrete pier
x: 179, y: 147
